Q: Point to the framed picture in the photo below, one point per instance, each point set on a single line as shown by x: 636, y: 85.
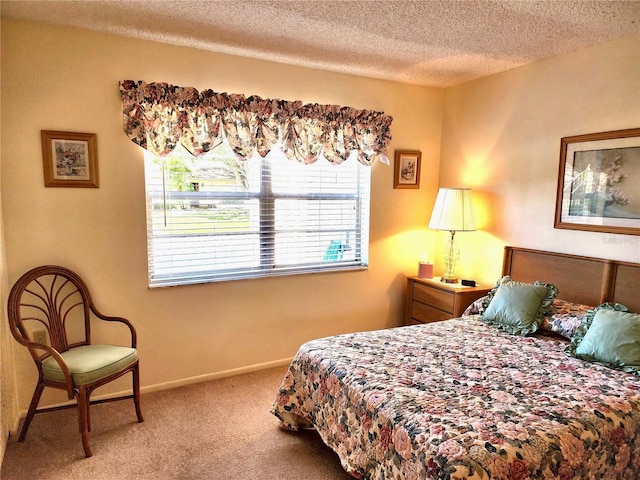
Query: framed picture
x: 407, y: 169
x: 70, y: 159
x: 599, y: 182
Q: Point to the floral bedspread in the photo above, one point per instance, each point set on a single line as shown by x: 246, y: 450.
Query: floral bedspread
x: 462, y: 400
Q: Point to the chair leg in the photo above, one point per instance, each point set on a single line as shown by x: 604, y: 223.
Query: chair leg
x: 88, y: 395
x: 83, y: 419
x: 136, y: 392
x: 32, y: 411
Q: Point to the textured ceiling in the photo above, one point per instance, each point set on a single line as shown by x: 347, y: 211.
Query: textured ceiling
x: 430, y: 42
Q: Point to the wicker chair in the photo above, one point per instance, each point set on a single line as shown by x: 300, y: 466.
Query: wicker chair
x: 53, y: 302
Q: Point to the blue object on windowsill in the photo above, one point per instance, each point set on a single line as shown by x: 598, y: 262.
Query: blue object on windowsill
x: 335, y: 251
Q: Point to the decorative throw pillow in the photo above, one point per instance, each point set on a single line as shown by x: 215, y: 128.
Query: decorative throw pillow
x: 518, y: 308
x: 564, y: 318
x: 476, y: 308
x: 609, y: 334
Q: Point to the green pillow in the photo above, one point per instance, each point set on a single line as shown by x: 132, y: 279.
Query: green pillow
x: 518, y: 308
x: 609, y: 334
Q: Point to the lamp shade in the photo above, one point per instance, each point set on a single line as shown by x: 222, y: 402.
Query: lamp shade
x: 453, y: 211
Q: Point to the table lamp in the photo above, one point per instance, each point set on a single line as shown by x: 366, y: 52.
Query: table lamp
x: 453, y: 212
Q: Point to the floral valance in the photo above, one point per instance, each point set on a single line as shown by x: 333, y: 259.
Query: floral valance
x: 158, y: 116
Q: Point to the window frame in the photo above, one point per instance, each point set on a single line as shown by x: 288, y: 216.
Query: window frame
x: 267, y: 231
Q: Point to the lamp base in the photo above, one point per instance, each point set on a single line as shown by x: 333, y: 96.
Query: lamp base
x: 448, y: 279
x: 451, y: 255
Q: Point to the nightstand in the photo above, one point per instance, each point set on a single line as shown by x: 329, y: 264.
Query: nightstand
x: 433, y: 301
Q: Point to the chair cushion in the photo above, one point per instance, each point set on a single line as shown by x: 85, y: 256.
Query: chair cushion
x: 89, y: 363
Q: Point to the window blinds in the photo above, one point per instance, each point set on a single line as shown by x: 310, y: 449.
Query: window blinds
x: 217, y: 217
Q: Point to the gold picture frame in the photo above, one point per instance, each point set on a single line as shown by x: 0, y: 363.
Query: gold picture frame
x: 407, y: 169
x: 599, y: 182
x: 70, y: 159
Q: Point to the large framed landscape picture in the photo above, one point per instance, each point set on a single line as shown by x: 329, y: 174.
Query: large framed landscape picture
x: 599, y: 182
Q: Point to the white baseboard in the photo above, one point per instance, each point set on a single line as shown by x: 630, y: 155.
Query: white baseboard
x: 174, y: 384
x: 214, y: 376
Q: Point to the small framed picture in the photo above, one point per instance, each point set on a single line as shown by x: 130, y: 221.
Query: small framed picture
x: 70, y: 159
x: 407, y: 169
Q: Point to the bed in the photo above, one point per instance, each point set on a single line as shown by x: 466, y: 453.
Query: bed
x: 463, y: 399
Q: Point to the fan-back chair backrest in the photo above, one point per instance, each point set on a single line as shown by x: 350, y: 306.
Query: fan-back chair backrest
x: 52, y: 299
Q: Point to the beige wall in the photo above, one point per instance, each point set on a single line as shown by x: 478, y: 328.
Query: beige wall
x: 8, y: 390
x: 501, y: 136
x: 65, y: 79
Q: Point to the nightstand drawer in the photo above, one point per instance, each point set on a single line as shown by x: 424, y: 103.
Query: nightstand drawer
x: 440, y: 299
x: 432, y: 301
x: 421, y: 313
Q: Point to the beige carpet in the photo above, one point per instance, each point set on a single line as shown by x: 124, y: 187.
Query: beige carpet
x: 214, y: 430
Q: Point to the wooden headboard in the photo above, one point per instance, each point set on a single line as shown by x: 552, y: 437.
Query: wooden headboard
x: 586, y: 280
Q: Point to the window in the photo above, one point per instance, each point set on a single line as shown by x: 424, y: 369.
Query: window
x: 216, y: 217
